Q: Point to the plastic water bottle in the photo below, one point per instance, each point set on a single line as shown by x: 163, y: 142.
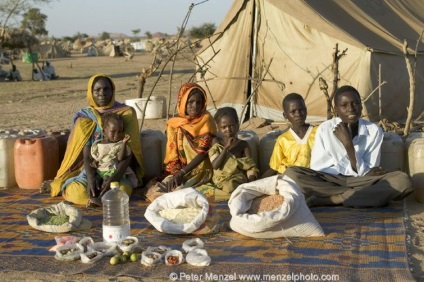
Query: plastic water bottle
x: 116, y: 220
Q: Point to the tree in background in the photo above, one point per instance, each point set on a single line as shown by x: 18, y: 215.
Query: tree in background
x: 104, y: 35
x: 203, y: 31
x: 19, y: 39
x: 35, y: 22
x: 10, y: 9
x: 136, y: 32
x: 148, y: 34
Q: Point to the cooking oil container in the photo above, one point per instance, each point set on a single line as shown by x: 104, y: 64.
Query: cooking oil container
x: 7, y: 161
x: 62, y: 140
x: 36, y: 160
x: 392, y: 152
x: 416, y: 167
x: 153, y: 152
x: 7, y: 169
x: 411, y: 137
x: 252, y: 140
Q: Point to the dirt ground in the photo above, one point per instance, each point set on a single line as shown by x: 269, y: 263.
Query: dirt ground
x: 49, y: 105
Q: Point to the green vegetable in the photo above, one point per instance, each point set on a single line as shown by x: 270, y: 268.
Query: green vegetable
x: 54, y: 220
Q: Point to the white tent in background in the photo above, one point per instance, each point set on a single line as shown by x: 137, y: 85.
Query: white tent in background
x: 292, y: 41
x: 139, y: 45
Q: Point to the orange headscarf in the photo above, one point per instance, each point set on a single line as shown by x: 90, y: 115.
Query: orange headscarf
x: 198, y: 130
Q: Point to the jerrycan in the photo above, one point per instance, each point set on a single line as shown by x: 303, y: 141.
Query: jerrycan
x: 153, y: 152
x: 416, y: 167
x: 411, y: 137
x: 7, y: 169
x: 252, y: 140
x: 7, y: 161
x: 266, y: 146
x: 392, y: 152
x: 36, y: 160
x: 62, y: 141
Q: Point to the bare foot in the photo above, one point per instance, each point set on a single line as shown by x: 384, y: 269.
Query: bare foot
x: 45, y: 187
x: 315, y: 201
x: 94, y: 202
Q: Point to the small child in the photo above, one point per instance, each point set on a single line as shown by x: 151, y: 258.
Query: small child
x: 293, y: 147
x: 107, y: 153
x: 231, y: 157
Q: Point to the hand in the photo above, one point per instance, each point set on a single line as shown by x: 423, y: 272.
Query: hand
x: 126, y: 138
x: 252, y: 178
x: 176, y: 180
x: 343, y: 133
x: 230, y: 142
x: 94, y: 164
x: 105, y: 186
x: 375, y: 171
x: 91, y: 187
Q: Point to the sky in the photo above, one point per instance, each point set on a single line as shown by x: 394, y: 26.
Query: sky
x: 68, y: 17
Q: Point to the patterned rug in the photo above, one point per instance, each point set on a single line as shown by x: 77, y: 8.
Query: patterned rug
x: 360, y: 245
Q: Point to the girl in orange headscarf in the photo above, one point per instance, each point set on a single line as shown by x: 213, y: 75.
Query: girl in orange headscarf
x: 75, y: 178
x: 189, y: 137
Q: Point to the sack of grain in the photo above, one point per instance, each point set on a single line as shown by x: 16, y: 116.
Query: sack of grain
x: 279, y: 210
x: 266, y: 203
x: 178, y: 212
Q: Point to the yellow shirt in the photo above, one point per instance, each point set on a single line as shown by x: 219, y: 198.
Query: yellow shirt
x: 290, y: 150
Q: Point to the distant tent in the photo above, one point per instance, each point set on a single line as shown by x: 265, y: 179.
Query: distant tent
x: 292, y: 42
x: 92, y: 51
x: 77, y: 46
x: 51, y: 51
x: 116, y: 51
x: 139, y: 45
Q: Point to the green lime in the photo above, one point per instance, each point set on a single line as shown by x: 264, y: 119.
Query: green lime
x: 114, y: 260
x: 134, y: 257
x: 127, y: 254
x: 124, y: 259
x: 118, y: 256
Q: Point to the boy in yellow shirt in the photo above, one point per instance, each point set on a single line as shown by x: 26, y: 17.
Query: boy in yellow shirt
x: 294, y: 146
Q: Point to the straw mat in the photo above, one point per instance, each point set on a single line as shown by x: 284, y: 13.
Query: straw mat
x: 360, y: 245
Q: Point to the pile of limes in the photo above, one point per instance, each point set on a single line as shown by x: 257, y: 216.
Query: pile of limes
x: 123, y: 258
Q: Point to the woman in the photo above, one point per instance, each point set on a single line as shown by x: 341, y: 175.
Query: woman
x: 76, y: 177
x: 189, y: 137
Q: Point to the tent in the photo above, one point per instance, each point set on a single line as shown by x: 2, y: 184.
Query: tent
x: 269, y: 48
x: 50, y: 51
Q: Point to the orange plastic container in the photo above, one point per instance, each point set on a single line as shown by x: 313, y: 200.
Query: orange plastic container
x: 36, y: 160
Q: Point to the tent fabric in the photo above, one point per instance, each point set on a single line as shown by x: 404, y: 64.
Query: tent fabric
x: 50, y: 51
x: 281, y: 46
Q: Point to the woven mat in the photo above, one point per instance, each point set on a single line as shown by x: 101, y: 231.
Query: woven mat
x: 360, y: 245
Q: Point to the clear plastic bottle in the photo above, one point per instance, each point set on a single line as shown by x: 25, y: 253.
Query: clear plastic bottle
x: 116, y: 220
